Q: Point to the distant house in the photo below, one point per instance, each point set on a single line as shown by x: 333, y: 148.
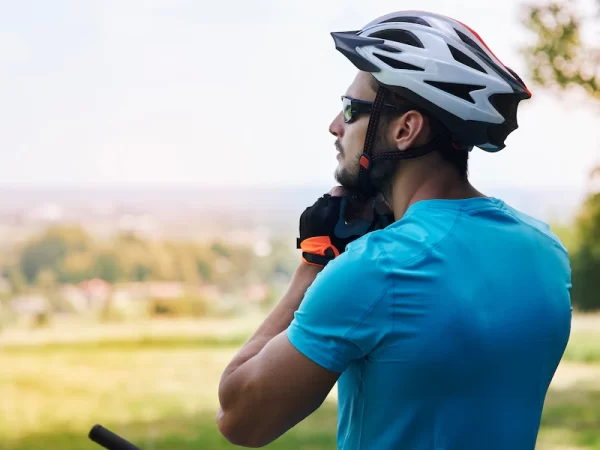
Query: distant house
x: 128, y: 298
x: 164, y: 290
x: 126, y: 294
x: 96, y: 292
x: 76, y: 297
x: 30, y: 305
x: 133, y: 290
x: 210, y: 292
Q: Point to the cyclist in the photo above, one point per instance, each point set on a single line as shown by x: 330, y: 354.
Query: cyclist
x: 444, y: 328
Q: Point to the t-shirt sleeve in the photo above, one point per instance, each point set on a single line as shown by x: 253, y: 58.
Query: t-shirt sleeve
x: 343, y: 315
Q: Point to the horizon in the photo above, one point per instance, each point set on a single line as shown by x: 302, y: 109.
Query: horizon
x: 192, y: 186
x: 277, y: 202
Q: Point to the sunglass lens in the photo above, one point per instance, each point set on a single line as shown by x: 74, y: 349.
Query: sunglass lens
x: 347, y: 109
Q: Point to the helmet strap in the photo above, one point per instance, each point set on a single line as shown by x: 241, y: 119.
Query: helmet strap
x: 368, y: 158
x: 364, y: 182
x: 415, y: 152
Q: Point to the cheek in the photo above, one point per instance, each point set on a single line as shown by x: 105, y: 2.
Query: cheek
x: 354, y: 139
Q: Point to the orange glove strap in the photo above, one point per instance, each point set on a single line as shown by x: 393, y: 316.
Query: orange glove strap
x: 318, y: 246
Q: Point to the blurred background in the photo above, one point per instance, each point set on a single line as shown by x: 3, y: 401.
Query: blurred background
x: 155, y: 158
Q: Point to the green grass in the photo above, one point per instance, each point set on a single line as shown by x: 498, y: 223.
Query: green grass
x: 570, y: 421
x: 193, y: 432
x: 160, y: 398
x: 183, y: 433
x: 574, y: 414
x: 160, y: 392
x: 134, y: 344
x: 584, y: 346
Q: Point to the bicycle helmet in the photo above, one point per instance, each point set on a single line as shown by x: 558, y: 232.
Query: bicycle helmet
x: 443, y: 67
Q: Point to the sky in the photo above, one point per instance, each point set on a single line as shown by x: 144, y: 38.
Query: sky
x: 231, y: 93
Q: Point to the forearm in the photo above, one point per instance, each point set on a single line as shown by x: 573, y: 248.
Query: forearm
x: 275, y: 323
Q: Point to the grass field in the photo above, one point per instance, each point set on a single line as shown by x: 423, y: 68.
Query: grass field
x: 157, y: 385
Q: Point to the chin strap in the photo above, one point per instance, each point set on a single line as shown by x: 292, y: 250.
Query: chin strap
x: 367, y: 158
x: 364, y: 181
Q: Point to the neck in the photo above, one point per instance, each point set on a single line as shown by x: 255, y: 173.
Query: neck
x: 422, y: 180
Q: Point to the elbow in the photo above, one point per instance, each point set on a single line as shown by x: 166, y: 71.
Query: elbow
x: 239, y: 433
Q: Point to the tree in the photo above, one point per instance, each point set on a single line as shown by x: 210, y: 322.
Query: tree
x: 64, y: 250
x: 204, y: 269
x: 560, y: 60
x: 141, y: 272
x: 108, y: 268
x: 586, y: 259
x: 75, y: 267
x: 16, y: 279
x: 47, y: 253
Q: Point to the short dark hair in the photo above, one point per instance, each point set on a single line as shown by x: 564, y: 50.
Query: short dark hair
x: 458, y: 158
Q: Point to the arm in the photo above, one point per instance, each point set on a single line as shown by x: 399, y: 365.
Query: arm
x: 258, y: 401
x: 287, y: 368
x: 342, y: 318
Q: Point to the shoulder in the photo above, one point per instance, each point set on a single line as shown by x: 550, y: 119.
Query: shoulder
x: 538, y: 229
x: 411, y: 238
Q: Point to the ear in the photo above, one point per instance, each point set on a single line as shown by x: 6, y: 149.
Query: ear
x: 409, y: 131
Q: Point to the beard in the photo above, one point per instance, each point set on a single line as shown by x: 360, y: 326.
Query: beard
x: 381, y: 174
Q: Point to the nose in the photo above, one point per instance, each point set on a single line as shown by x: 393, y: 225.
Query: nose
x: 337, y: 126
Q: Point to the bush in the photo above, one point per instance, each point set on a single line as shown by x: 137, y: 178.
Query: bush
x: 41, y: 320
x: 188, y: 306
x: 585, y: 261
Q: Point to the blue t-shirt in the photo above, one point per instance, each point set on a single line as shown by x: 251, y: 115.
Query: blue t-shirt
x: 447, y: 327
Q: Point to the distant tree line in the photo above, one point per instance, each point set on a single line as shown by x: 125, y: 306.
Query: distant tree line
x: 68, y: 255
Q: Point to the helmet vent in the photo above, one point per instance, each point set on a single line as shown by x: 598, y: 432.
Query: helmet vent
x: 475, y: 46
x: 464, y: 59
x: 397, y: 64
x: 388, y: 48
x: 467, y: 40
x: 400, y: 36
x: 501, y: 70
x: 417, y: 20
x: 458, y: 90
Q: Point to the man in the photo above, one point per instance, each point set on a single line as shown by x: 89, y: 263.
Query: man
x: 443, y: 329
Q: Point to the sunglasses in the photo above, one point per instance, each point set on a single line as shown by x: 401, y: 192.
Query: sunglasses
x: 352, y: 108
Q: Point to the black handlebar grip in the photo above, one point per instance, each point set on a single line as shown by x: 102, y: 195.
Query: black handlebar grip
x: 109, y: 440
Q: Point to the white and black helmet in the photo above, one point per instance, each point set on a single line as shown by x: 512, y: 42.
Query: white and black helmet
x: 443, y: 67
